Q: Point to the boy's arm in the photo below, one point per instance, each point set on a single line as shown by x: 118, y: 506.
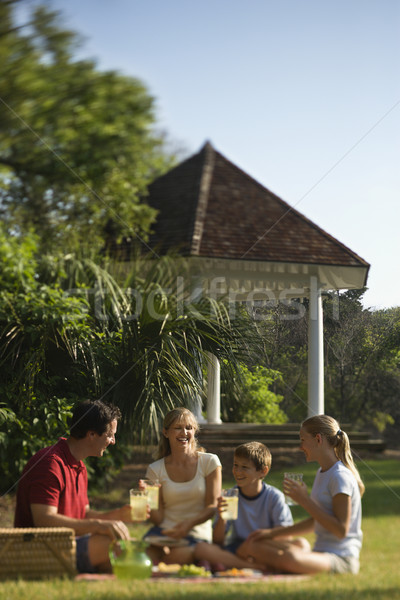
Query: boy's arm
x: 299, y: 528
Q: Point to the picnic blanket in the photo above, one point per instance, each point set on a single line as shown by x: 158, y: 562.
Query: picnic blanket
x: 161, y: 578
x: 237, y: 579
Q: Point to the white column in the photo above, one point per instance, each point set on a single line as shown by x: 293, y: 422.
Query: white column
x: 196, y: 291
x: 315, y: 352
x: 213, y: 389
x: 196, y: 404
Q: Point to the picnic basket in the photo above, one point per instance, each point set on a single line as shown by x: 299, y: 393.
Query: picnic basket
x: 37, y: 553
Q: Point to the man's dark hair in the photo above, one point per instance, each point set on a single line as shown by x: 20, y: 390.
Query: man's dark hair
x: 92, y: 415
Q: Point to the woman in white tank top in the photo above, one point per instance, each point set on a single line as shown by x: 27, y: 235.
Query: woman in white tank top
x: 190, y: 485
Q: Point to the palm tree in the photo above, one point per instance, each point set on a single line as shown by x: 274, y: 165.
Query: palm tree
x: 75, y: 327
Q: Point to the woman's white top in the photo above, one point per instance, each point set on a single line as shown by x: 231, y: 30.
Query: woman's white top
x: 184, y: 500
x: 338, y: 480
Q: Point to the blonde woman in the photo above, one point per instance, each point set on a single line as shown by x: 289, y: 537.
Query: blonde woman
x: 334, y: 506
x: 190, y: 485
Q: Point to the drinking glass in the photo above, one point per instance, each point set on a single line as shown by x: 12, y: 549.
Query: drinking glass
x: 139, y: 501
x: 231, y: 498
x: 295, y: 477
x: 153, y: 489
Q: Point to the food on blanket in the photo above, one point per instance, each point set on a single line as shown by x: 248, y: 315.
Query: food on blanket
x: 182, y: 570
x: 234, y: 572
x: 193, y: 571
x: 172, y: 568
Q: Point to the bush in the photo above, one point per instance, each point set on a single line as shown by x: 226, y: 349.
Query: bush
x: 256, y: 402
x: 37, y: 426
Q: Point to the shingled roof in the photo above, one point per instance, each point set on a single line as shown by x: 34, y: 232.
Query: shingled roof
x: 208, y: 207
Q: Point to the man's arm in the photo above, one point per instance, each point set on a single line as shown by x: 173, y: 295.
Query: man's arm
x: 47, y: 516
x: 119, y: 514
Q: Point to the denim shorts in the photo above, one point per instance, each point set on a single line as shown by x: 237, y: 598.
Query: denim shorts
x: 233, y: 546
x: 83, y: 563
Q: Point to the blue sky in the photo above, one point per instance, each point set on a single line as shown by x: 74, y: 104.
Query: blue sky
x: 304, y: 95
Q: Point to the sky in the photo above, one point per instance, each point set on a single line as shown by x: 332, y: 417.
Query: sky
x: 303, y: 95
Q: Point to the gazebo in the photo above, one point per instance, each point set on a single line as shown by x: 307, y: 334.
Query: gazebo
x: 244, y: 241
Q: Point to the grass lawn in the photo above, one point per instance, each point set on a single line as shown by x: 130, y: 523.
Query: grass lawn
x: 379, y: 577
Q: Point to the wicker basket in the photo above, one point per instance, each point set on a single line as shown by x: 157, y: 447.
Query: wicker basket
x: 37, y: 553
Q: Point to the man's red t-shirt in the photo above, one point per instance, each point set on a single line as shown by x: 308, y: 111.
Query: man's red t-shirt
x: 55, y: 478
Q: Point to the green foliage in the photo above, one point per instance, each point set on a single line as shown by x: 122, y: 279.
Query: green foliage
x: 7, y: 416
x: 255, y: 401
x: 38, y: 425
x: 362, y: 362
x: 164, y: 336
x: 283, y: 329
x: 69, y: 331
x: 361, y: 355
x: 381, y: 420
x: 77, y: 146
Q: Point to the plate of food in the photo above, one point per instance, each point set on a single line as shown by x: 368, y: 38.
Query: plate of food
x: 164, y: 569
x: 164, y: 540
x: 181, y: 571
x: 193, y: 571
x: 234, y: 572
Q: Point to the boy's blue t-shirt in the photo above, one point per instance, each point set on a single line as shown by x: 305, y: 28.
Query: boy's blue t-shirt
x: 266, y: 510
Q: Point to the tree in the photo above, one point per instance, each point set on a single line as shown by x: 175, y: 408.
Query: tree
x: 77, y: 146
x: 362, y: 362
x: 255, y: 402
x: 361, y: 355
x: 69, y: 329
x: 283, y: 329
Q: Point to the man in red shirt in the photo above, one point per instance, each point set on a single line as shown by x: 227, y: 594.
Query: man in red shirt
x: 52, y: 491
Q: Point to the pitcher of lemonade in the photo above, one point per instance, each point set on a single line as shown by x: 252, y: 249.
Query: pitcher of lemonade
x: 129, y: 559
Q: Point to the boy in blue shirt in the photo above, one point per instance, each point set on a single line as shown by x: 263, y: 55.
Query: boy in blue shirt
x: 261, y: 506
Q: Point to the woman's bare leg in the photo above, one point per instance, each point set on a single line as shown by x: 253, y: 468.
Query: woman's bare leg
x: 181, y: 556
x: 286, y: 556
x: 215, y: 554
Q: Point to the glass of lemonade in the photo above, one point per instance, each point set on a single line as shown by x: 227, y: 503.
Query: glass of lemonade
x: 139, y: 501
x: 231, y: 498
x: 295, y: 477
x: 153, y: 489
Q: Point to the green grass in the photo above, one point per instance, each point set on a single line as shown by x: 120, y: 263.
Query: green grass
x: 379, y: 577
